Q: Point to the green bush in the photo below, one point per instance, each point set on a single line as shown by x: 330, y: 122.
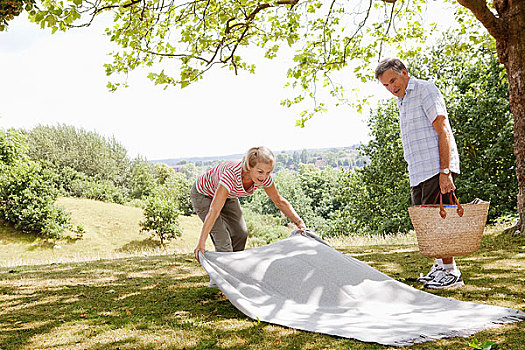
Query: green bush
x: 27, y: 195
x: 105, y: 190
x: 27, y: 190
x: 161, y: 218
x: 320, y: 186
x: 102, y: 190
x: 264, y: 229
x: 80, y: 231
x: 13, y: 147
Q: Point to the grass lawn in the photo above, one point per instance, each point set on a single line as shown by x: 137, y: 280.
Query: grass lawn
x: 162, y: 302
x: 111, y: 231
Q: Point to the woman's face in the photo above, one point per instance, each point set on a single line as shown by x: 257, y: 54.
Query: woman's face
x: 260, y: 172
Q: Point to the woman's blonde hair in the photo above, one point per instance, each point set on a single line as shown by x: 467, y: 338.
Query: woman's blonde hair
x: 257, y: 155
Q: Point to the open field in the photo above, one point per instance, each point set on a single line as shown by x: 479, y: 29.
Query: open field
x: 111, y: 231
x: 162, y: 302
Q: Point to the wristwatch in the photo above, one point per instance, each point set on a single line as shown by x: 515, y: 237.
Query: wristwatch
x: 445, y: 171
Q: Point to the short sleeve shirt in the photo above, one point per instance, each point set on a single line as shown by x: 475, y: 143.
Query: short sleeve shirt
x: 228, y: 174
x: 419, y: 108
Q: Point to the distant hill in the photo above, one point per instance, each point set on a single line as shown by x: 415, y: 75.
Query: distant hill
x: 347, y: 157
x: 176, y: 161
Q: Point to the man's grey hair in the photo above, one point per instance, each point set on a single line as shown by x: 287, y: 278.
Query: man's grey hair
x: 389, y: 63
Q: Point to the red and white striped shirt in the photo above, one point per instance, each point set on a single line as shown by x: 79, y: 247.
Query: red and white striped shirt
x: 227, y: 174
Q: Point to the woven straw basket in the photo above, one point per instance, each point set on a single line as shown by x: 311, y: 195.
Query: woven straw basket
x: 442, y: 236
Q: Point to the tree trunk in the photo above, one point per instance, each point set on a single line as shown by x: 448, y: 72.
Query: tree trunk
x: 508, y: 28
x: 511, y: 52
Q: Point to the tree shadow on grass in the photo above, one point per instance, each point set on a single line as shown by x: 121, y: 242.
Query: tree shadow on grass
x: 148, y: 244
x: 8, y: 234
x: 30, y: 240
x: 134, y: 303
x: 33, y: 241
x: 152, y: 302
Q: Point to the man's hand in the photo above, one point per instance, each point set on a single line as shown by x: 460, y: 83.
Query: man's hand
x: 446, y: 184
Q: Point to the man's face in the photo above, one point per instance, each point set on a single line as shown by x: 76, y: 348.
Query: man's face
x: 394, y: 82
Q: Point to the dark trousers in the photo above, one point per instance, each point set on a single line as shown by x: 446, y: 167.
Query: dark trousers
x: 229, y: 233
x: 427, y: 191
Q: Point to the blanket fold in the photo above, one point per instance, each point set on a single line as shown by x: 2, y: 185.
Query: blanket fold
x: 301, y: 282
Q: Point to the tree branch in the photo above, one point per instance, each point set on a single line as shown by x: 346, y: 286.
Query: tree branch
x: 265, y: 6
x: 175, y: 55
x: 360, y: 26
x: 249, y: 19
x: 494, y: 25
x: 131, y: 3
x: 387, y: 29
x: 324, y: 29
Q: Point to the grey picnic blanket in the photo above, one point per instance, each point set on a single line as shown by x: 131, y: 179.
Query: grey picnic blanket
x: 301, y: 282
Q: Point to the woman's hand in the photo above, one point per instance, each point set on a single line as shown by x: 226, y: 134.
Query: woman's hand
x: 300, y: 225
x: 200, y: 248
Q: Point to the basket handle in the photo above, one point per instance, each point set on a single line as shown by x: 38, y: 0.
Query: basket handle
x: 442, y: 211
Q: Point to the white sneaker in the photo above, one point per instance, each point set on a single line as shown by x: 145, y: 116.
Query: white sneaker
x: 445, y: 279
x: 431, y: 274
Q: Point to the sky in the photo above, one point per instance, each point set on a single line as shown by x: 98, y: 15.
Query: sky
x: 50, y: 79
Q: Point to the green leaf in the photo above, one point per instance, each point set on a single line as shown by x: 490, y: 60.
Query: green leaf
x: 51, y: 20
x: 39, y: 17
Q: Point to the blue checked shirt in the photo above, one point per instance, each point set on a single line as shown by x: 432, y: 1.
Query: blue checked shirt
x: 419, y: 108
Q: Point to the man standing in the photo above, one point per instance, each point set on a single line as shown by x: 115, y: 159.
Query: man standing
x: 429, y: 149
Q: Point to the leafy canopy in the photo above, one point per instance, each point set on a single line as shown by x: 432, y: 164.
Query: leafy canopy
x: 315, y: 38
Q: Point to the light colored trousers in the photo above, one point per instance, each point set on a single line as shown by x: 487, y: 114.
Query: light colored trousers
x: 229, y: 233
